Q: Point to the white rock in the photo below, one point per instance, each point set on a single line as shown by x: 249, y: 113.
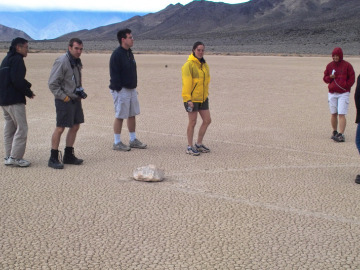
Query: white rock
x: 148, y: 174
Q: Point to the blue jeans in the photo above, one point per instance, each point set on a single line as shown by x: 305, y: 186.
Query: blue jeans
x: 357, y: 139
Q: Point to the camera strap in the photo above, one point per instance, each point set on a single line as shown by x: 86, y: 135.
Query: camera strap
x: 75, y: 63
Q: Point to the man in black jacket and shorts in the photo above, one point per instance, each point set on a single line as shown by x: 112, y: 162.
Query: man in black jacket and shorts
x: 123, y: 82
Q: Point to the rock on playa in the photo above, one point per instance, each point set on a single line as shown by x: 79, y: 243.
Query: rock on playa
x: 148, y: 174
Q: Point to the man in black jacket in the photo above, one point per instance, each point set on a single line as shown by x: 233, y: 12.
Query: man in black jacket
x: 13, y: 90
x: 123, y: 82
x: 357, y: 121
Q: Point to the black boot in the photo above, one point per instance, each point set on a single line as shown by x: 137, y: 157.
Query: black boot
x: 69, y: 157
x: 54, y: 161
x: 357, y: 179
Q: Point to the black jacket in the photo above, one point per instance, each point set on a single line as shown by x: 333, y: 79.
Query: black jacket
x: 357, y: 100
x: 13, y: 86
x: 122, y: 69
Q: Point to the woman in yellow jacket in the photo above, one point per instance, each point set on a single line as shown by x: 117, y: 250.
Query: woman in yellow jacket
x: 195, y: 91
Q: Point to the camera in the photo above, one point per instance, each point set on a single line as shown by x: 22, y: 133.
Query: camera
x: 80, y: 92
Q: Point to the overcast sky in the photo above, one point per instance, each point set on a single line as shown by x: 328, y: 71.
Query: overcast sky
x: 95, y: 5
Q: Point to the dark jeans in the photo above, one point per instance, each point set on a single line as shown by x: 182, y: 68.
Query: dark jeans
x: 357, y: 139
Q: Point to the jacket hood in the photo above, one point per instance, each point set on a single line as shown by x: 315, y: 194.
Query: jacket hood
x: 338, y: 51
x: 193, y: 58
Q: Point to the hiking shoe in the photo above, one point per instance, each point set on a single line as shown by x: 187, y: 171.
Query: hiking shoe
x: 9, y: 161
x: 339, y: 138
x: 70, y: 158
x: 121, y: 147
x: 357, y: 179
x: 334, y: 134
x: 192, y: 151
x: 202, y: 148
x: 137, y: 144
x: 55, y: 163
x: 20, y: 162
x: 55, y: 159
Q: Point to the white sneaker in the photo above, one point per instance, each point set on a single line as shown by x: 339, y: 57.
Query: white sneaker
x: 192, y: 151
x: 202, y: 148
x: 21, y: 162
x: 9, y: 161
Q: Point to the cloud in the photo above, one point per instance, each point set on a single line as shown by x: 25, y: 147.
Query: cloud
x: 104, y: 5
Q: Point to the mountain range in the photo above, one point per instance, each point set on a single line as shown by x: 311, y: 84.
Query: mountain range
x: 276, y: 23
x: 205, y: 19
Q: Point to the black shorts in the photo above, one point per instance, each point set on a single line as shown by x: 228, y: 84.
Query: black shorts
x: 68, y: 113
x: 199, y: 106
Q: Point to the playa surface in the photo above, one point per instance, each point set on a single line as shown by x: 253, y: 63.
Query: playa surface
x: 274, y: 193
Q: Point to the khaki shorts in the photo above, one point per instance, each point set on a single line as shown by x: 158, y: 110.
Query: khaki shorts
x: 126, y: 103
x: 338, y: 103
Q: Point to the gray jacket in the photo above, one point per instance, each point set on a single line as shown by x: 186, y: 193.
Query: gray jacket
x: 64, y: 78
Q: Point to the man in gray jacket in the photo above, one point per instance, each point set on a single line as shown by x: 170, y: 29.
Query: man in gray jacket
x: 65, y: 84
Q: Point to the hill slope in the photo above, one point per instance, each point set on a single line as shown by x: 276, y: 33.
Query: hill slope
x: 7, y: 33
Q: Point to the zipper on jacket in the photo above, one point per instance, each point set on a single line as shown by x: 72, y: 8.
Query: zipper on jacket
x: 193, y: 89
x: 203, y: 82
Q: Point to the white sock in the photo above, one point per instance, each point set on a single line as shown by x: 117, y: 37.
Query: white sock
x: 132, y: 136
x: 117, y: 138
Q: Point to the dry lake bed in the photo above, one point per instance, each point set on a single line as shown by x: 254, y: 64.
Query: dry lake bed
x: 275, y: 192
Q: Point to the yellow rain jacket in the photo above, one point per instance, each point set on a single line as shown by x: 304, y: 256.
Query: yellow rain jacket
x: 195, y: 80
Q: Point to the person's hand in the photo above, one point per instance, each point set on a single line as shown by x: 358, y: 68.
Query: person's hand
x: 191, y: 105
x: 332, y: 76
x: 33, y: 95
x: 67, y: 99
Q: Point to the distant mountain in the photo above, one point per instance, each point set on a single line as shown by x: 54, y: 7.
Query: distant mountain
x: 52, y: 24
x: 255, y: 21
x: 7, y: 33
x: 257, y: 26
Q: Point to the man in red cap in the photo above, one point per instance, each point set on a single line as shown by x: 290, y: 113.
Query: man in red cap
x: 340, y: 76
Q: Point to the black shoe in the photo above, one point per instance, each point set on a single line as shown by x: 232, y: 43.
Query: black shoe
x: 339, y: 138
x: 55, y: 159
x: 357, y: 179
x: 55, y: 163
x: 69, y: 157
x: 334, y: 134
